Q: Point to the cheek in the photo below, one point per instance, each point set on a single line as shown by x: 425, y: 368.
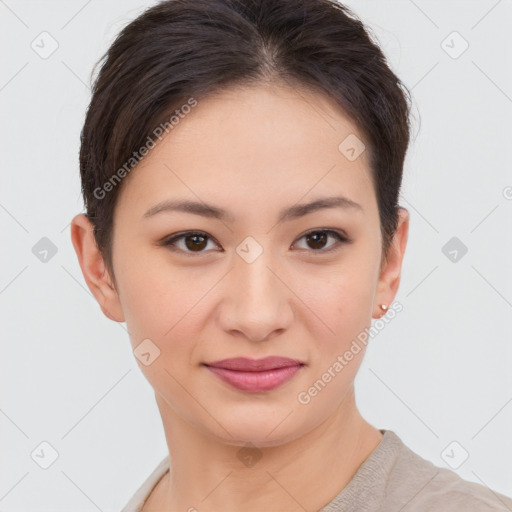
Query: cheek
x: 154, y: 296
x: 168, y: 305
x: 160, y: 308
x: 341, y: 299
x: 343, y: 306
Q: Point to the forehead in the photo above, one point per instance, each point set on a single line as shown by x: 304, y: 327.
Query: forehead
x: 249, y: 145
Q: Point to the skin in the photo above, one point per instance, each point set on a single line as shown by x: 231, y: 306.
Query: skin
x: 252, y: 151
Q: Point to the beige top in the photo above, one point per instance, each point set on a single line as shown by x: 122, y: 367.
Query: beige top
x: 392, y: 478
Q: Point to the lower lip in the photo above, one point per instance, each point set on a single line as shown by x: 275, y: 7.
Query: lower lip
x: 256, y: 381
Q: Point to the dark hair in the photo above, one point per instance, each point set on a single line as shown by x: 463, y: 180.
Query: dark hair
x: 182, y: 49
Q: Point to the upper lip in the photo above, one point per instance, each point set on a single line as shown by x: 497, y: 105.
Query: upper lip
x: 254, y: 365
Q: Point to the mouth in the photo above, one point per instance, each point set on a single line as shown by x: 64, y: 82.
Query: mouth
x: 255, y: 375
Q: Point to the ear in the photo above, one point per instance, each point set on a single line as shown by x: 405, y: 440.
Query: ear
x: 389, y: 278
x: 94, y: 269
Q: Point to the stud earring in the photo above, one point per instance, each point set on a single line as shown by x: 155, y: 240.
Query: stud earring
x: 384, y: 308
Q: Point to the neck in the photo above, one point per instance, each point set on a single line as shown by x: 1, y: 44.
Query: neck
x: 303, y: 474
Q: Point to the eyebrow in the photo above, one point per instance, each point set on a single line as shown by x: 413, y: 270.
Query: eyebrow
x: 290, y: 213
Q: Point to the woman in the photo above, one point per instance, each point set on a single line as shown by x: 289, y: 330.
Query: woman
x: 241, y: 163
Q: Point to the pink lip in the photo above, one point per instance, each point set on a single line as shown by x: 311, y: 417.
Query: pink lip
x: 255, y: 374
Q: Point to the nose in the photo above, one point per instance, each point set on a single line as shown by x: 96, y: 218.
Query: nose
x: 258, y: 301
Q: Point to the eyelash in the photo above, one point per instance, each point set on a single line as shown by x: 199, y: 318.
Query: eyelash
x: 169, y: 242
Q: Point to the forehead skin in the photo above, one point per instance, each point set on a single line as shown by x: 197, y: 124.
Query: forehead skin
x: 245, y: 149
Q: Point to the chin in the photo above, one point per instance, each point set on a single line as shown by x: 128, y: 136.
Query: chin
x: 262, y: 430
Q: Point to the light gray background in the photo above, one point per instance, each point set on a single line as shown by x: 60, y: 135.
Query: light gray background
x: 438, y: 373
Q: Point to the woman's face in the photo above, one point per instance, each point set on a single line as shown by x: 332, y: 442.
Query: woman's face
x: 253, y: 283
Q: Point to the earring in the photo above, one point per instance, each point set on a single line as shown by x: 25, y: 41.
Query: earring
x: 384, y: 308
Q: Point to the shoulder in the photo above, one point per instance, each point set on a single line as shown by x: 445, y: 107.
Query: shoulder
x: 423, y: 487
x: 141, y: 496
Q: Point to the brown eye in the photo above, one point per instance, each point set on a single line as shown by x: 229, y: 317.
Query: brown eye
x: 317, y: 240
x: 193, y: 242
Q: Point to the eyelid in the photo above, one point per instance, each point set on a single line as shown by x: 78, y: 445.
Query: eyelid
x: 339, y: 234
